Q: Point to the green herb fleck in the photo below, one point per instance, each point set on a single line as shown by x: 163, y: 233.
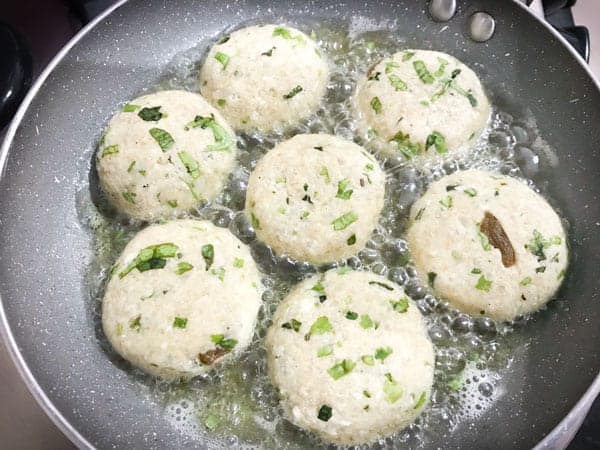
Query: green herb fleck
x: 191, y: 165
x: 476, y: 271
x: 407, y: 55
x: 180, y: 322
x: 383, y: 352
x: 351, y: 240
x: 408, y: 149
x: 380, y: 284
x: 376, y: 105
x: 325, y: 413
x: 397, y: 83
x: 351, y: 315
x: 441, y: 69
x: 470, y: 192
x: 295, y: 91
x: 268, y: 52
x: 446, y: 202
x: 340, y: 369
x: 344, y: 270
x: 366, y: 321
x: 129, y: 197
x: 368, y: 360
x: 183, y: 267
x: 326, y: 350
x: 367, y: 394
x: 150, y: 114
x: 223, y: 140
x: 221, y: 102
x: 320, y: 326
x: 344, y: 192
x: 110, y: 150
x: 292, y: 325
x: 561, y: 274
x: 400, y: 306
x: 238, y: 263
x: 130, y: 168
x: 538, y: 244
x: 208, y: 253
x: 421, y: 400
x: 525, y: 281
x: 128, y: 107
x: 219, y: 273
x: 222, y: 342
x: 422, y: 71
x: 162, y: 137
x: 172, y: 203
x: 223, y: 39
x: 325, y: 174
x: 419, y: 214
x: 344, y: 221
x: 152, y: 257
x: 391, y: 389
x: 483, y: 284
x: 136, y: 323
x: 255, y: 221
x: 431, y: 278
x: 438, y: 141
x: 223, y: 59
x: 286, y: 34
x: 485, y: 242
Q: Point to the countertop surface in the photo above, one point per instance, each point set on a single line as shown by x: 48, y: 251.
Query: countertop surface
x: 23, y: 425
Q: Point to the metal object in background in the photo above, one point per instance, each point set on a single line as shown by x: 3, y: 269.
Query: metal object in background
x: 561, y: 346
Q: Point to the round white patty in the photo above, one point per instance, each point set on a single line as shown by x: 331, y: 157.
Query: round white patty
x: 156, y: 160
x: 457, y: 237
x: 350, y: 355
x: 315, y: 197
x: 183, y: 296
x: 421, y: 104
x: 265, y: 77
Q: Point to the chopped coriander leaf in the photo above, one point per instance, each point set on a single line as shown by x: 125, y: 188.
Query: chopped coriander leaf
x: 344, y: 270
x: 211, y: 422
x: 383, y: 352
x: 183, y: 267
x: 366, y: 322
x: 221, y: 102
x: 223, y: 140
x: 292, y: 325
x: 431, y: 278
x: 485, y: 242
x: 135, y: 323
x: 326, y: 350
x: 325, y: 174
x: 340, y: 369
x: 344, y: 192
x: 152, y: 257
x: 540, y: 269
x: 483, y: 284
x: 367, y: 394
x: 130, y: 168
x: 110, y: 150
x: 318, y: 288
x: 142, y: 172
x: 208, y: 253
x: 295, y: 91
x: 438, y: 141
x: 391, y: 389
x: 180, y: 322
x: 400, y: 306
x: 255, y: 221
x: 451, y: 187
x: 446, y: 202
x: 191, y: 165
x: 162, y: 137
x: 128, y: 107
x: 376, y: 105
x: 525, y: 281
x: 441, y: 69
x: 407, y: 55
x: 476, y: 271
x: 351, y: 315
x: 561, y: 274
x: 408, y: 149
x: 325, y: 413
x: 421, y: 400
x: 470, y: 192
x: 419, y: 214
x: 368, y: 360
x: 119, y: 329
x: 374, y: 76
x: 383, y: 285
x: 268, y: 52
x: 351, y: 240
x: 150, y: 114
x: 223, y: 59
x: 238, y: 263
x: 422, y: 71
x: 286, y: 34
x: 172, y: 203
x: 320, y: 326
x: 397, y: 83
x: 344, y: 221
x: 129, y: 197
x: 219, y: 273
x: 390, y: 66
x: 305, y: 214
x: 538, y: 244
x: 369, y: 166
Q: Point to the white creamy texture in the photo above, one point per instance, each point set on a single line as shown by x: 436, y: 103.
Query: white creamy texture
x: 444, y: 238
x: 315, y: 197
x: 145, y: 181
x: 139, y: 309
x: 375, y: 396
x: 249, y: 76
x: 393, y: 102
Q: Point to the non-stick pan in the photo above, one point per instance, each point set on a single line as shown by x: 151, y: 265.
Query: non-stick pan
x: 47, y: 316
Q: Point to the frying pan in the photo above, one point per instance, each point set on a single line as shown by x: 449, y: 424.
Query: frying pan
x: 47, y: 318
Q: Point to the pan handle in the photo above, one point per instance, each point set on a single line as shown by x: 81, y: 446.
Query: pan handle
x: 558, y: 14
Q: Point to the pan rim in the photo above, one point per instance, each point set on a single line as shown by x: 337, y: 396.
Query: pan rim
x: 555, y: 439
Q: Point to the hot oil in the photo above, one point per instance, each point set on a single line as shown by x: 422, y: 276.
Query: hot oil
x: 236, y: 406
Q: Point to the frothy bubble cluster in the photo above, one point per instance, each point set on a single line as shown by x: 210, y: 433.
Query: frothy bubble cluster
x: 236, y: 406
